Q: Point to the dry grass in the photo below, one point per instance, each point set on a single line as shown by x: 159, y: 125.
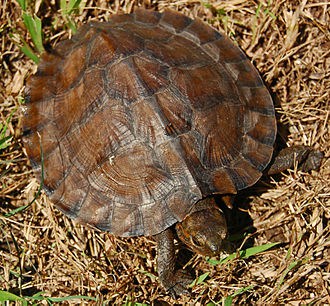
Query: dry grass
x: 41, y: 250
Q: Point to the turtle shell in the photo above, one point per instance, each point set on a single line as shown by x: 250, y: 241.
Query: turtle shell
x: 138, y: 118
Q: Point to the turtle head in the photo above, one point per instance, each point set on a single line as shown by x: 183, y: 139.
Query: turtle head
x: 204, y: 231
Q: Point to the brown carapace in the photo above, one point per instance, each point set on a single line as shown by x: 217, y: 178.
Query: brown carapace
x: 142, y: 118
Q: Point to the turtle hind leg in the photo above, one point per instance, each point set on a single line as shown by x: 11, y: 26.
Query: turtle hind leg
x: 307, y: 158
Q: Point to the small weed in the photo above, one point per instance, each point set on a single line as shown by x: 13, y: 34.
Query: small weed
x: 265, y: 10
x: 68, y: 8
x: 261, y: 9
x: 34, y: 26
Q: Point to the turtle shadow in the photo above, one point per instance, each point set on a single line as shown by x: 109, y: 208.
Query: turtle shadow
x: 239, y: 221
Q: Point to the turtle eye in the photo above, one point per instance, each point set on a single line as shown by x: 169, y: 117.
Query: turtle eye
x: 196, y: 241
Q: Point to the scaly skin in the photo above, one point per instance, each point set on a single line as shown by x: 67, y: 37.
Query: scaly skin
x: 306, y: 157
x: 174, y: 281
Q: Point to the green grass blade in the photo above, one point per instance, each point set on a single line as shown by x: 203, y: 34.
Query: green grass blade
x: 244, y: 254
x: 3, y: 127
x: 69, y: 298
x: 29, y: 53
x: 33, y: 24
x: 202, y: 278
x: 63, y: 6
x: 72, y: 26
x: 152, y: 276
x: 22, y: 4
x: 242, y: 290
x: 40, y: 293
x: 17, y: 210
x: 199, y: 280
x: 257, y: 249
x: 5, y: 142
x: 291, y: 266
x: 228, y: 301
x: 68, y: 7
x: 73, y: 5
x: 7, y: 296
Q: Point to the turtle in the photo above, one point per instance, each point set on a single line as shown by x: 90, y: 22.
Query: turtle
x: 134, y: 125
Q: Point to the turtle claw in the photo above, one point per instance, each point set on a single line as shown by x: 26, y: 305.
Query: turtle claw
x: 313, y: 161
x: 178, y: 284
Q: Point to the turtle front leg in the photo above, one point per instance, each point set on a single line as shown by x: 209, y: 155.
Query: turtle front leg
x: 307, y: 158
x: 174, y: 281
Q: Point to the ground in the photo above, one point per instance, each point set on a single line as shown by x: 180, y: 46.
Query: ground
x: 41, y: 250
